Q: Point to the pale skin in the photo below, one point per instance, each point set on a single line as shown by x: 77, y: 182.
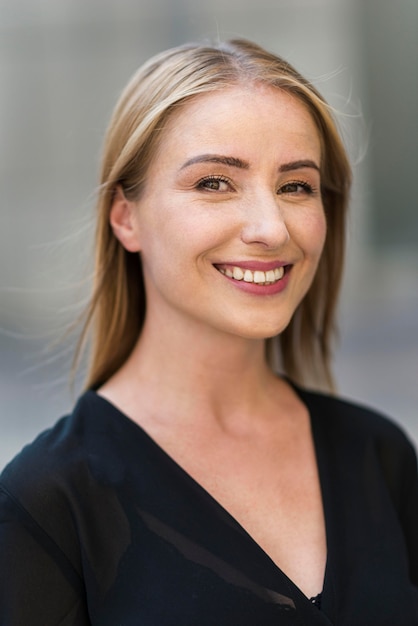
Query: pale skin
x: 197, y: 380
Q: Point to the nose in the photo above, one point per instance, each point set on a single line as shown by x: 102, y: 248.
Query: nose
x: 264, y: 222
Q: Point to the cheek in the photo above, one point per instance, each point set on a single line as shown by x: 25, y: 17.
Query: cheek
x: 173, y: 243
x: 193, y: 233
x: 319, y: 233
x: 310, y: 233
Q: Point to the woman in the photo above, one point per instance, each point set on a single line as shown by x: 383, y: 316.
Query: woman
x: 193, y: 484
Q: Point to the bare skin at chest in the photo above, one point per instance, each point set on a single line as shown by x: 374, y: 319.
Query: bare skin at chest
x: 262, y: 472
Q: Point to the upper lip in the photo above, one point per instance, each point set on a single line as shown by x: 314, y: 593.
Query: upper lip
x: 263, y: 266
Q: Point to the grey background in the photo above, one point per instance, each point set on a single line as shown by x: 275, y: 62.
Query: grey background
x: 62, y: 66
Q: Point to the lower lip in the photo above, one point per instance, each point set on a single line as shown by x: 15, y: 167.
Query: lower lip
x: 261, y: 290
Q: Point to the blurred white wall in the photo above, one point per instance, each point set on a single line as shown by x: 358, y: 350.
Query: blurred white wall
x: 62, y: 66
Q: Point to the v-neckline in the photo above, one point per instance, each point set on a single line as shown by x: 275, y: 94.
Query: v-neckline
x: 222, y: 511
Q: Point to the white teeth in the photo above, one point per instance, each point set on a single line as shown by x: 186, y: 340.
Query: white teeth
x: 258, y: 277
x: 278, y: 273
x: 238, y: 274
x: 248, y: 276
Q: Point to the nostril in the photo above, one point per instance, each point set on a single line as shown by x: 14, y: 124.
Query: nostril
x: 266, y: 232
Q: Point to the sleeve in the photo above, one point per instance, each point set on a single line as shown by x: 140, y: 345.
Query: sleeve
x: 38, y: 584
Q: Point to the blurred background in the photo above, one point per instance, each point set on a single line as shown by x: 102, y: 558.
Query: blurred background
x: 62, y: 66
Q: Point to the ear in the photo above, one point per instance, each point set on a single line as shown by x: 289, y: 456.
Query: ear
x: 123, y: 221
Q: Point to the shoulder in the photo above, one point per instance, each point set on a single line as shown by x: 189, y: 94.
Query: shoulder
x: 52, y: 449
x: 61, y: 461
x: 353, y: 419
x: 360, y: 435
x: 68, y: 474
x: 52, y: 494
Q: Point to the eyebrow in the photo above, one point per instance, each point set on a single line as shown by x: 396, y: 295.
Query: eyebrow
x: 217, y: 158
x: 244, y: 165
x: 298, y: 165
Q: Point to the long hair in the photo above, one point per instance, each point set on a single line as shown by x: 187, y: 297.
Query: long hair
x: 114, y: 318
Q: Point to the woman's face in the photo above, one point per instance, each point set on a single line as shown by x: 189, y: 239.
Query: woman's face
x: 231, y: 225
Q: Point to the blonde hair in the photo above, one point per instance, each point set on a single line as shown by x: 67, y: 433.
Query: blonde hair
x: 114, y: 318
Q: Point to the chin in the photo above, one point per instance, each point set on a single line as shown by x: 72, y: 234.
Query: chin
x: 264, y: 331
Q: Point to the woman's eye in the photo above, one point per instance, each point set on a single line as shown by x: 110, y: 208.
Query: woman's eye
x: 214, y: 183
x: 296, y: 188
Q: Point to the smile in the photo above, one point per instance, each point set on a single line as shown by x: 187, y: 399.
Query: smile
x: 258, y: 277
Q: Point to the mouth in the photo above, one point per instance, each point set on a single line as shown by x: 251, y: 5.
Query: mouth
x: 258, y: 277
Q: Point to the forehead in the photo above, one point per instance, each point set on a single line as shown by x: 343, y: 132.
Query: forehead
x: 241, y: 114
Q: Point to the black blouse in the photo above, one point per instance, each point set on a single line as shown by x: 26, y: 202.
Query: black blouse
x: 99, y: 526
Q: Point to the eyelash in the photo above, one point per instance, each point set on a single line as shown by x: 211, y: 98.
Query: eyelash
x: 306, y: 187
x: 208, y: 179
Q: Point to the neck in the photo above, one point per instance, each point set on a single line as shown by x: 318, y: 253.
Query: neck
x: 197, y: 371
